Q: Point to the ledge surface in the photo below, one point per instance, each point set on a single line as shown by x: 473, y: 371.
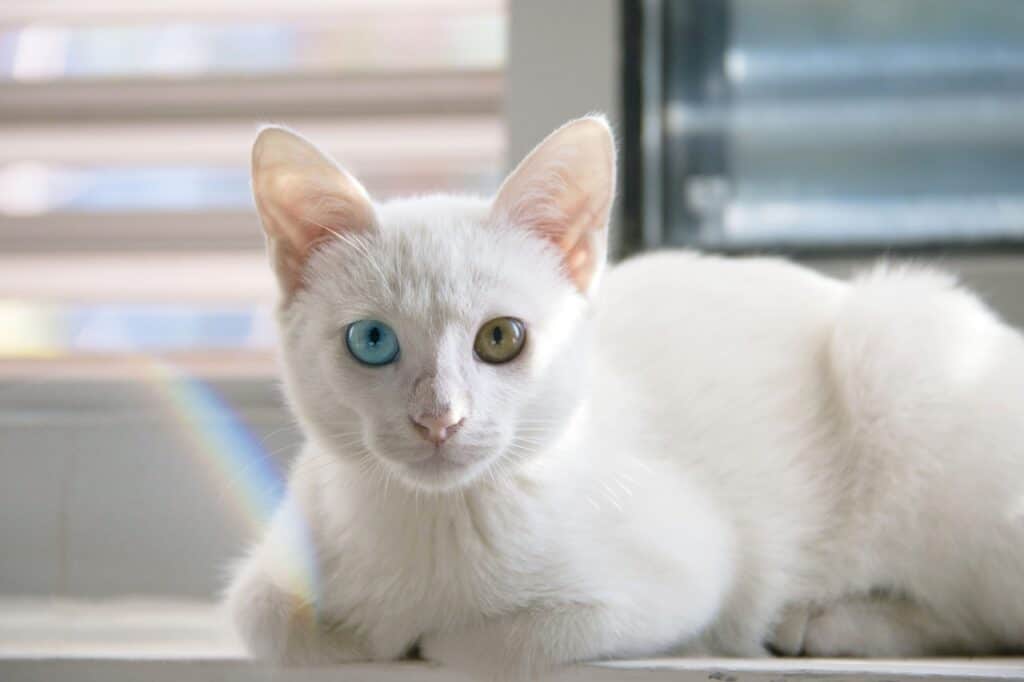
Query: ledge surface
x: 183, y: 641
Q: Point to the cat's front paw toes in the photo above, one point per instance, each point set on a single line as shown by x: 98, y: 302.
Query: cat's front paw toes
x: 466, y: 652
x: 787, y: 637
x: 448, y: 649
x: 320, y: 643
x: 805, y: 630
x: 830, y: 633
x: 282, y: 628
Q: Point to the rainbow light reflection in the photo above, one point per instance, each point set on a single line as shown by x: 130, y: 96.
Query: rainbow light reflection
x: 237, y: 463
x: 216, y: 438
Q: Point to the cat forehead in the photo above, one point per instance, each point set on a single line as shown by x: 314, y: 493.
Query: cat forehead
x: 437, y: 209
x: 437, y: 258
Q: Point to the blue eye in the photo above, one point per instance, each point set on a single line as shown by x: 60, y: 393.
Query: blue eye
x: 371, y: 342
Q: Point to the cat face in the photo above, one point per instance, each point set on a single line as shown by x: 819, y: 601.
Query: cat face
x: 436, y: 339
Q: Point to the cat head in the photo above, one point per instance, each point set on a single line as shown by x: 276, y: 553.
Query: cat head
x: 437, y: 338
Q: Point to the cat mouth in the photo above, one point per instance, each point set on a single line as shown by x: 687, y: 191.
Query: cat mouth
x: 436, y: 461
x: 437, y: 470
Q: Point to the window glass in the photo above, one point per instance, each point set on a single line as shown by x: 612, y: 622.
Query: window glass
x: 828, y: 124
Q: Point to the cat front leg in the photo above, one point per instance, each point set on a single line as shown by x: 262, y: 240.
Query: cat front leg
x: 520, y: 646
x: 284, y: 628
x: 866, y: 626
x: 526, y: 644
x: 786, y: 637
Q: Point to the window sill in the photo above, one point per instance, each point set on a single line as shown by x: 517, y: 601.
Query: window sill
x: 187, y: 668
x: 185, y: 640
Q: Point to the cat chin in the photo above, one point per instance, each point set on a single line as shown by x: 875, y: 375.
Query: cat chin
x: 438, y: 474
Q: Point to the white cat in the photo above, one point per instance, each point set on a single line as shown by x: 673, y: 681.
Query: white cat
x: 513, y: 467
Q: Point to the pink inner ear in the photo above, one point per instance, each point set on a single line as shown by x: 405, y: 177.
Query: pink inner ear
x: 563, y: 191
x: 578, y: 232
x: 581, y: 263
x: 304, y: 199
x: 583, y: 237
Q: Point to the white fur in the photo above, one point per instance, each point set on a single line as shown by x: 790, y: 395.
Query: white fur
x: 703, y: 455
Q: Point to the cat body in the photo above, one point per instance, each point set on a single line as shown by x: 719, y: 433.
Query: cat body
x: 688, y: 454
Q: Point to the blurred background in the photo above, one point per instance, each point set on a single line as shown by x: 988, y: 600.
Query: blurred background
x: 126, y: 220
x: 803, y: 125
x: 142, y: 435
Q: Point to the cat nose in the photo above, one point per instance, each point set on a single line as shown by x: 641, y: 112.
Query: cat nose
x: 437, y: 428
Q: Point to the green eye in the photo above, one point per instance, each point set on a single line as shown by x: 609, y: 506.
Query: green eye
x: 500, y: 340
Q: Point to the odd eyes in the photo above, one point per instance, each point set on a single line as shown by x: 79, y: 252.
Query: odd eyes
x: 371, y: 342
x: 500, y: 340
x: 374, y: 343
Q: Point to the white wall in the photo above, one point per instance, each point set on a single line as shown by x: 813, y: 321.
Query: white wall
x: 563, y: 62
x: 107, y: 489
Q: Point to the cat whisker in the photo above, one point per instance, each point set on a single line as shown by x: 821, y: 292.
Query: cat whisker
x: 529, y: 439
x: 611, y: 497
x: 290, y: 427
x: 283, y: 448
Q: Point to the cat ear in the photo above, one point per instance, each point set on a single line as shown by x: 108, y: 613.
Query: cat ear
x: 303, y: 197
x: 563, y: 192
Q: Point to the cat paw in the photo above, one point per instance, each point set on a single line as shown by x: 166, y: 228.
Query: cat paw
x: 821, y: 632
x: 281, y: 628
x: 454, y: 650
x: 473, y: 653
x: 817, y: 632
x: 832, y: 634
x: 868, y: 626
x: 313, y: 642
x: 787, y: 637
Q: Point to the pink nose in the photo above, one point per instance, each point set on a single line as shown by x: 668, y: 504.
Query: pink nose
x: 437, y: 428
